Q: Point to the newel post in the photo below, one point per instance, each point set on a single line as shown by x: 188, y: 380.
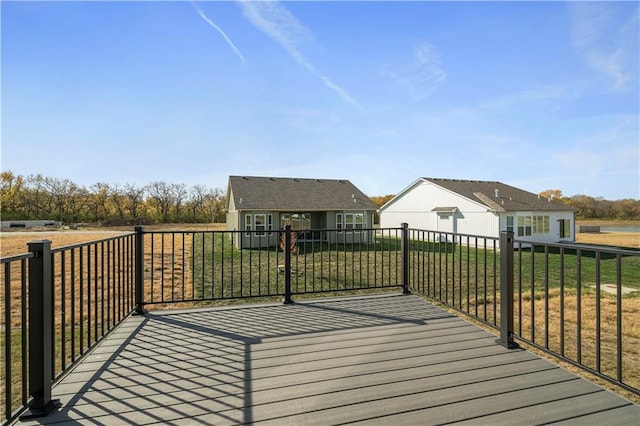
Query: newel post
x: 506, y: 290
x: 405, y: 258
x: 139, y: 271
x: 287, y: 265
x: 40, y: 330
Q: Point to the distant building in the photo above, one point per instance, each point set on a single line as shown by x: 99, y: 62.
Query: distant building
x: 6, y: 224
x: 265, y: 204
x: 482, y: 208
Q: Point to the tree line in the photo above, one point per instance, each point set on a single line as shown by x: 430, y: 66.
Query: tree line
x: 37, y: 197
x: 44, y: 198
x: 588, y: 207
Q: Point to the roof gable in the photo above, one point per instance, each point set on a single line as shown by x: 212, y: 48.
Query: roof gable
x: 301, y: 194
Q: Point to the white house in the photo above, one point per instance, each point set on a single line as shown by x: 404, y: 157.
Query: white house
x: 482, y: 208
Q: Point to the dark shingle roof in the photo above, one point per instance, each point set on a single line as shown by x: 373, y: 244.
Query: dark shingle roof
x: 296, y: 194
x: 499, y: 196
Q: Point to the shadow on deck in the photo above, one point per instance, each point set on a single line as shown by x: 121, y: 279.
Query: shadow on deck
x: 375, y: 360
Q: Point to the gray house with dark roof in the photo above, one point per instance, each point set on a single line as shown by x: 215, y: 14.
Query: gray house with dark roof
x: 262, y: 205
x: 483, y: 208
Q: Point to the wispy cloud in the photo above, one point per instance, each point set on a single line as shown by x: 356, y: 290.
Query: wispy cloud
x: 421, y: 75
x: 544, y: 95
x: 283, y: 27
x: 217, y: 28
x: 606, y: 35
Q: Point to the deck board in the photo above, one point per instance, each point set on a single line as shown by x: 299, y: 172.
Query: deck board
x: 377, y: 360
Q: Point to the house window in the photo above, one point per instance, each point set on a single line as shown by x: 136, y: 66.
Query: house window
x: 259, y: 222
x: 350, y: 220
x: 528, y: 225
x: 510, y: 223
x: 248, y: 223
x: 541, y: 224
x: 524, y: 226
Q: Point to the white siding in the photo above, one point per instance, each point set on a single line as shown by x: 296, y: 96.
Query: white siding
x: 414, y: 207
x: 415, y: 204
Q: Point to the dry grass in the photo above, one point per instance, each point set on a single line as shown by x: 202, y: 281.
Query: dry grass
x: 619, y: 239
x: 15, y: 242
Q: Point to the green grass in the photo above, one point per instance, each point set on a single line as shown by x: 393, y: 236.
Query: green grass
x: 222, y: 271
x: 569, y: 269
x: 451, y: 272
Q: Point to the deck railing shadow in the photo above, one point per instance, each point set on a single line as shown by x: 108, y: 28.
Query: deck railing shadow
x: 203, y: 359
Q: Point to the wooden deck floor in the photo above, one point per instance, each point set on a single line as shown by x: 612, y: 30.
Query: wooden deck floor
x: 374, y: 360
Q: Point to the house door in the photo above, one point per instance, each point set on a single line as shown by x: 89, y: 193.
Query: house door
x: 565, y: 228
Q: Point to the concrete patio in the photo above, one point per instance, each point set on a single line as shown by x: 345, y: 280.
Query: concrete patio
x: 372, y: 360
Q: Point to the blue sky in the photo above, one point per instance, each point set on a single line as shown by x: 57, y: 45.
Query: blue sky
x: 541, y: 95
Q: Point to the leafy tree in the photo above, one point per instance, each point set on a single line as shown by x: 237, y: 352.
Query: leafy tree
x: 552, y: 194
x: 381, y: 200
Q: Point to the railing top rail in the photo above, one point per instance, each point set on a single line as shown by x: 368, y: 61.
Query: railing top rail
x: 89, y: 243
x: 265, y: 230
x: 23, y: 256
x: 457, y: 234
x: 583, y: 247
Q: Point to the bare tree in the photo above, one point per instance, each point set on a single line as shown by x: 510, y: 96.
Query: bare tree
x: 196, y: 202
x: 118, y: 199
x: 215, y: 204
x: 179, y: 194
x: 161, y: 198
x: 134, y: 196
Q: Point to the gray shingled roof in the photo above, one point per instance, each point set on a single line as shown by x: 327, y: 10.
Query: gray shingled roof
x: 499, y: 196
x: 296, y: 194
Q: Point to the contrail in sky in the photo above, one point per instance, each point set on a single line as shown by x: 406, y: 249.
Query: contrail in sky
x: 283, y: 28
x: 213, y: 24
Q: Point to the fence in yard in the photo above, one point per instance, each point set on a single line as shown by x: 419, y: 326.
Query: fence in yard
x: 58, y: 303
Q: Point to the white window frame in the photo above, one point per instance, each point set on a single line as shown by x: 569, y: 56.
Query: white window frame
x: 260, y: 228
x: 348, y: 221
x: 524, y: 226
x: 251, y: 224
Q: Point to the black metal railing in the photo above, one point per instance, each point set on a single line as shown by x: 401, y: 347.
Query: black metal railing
x: 203, y: 266
x: 549, y: 296
x: 569, y: 300
x: 459, y: 271
x: 58, y: 303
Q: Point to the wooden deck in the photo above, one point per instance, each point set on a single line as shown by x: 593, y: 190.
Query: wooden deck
x: 373, y: 360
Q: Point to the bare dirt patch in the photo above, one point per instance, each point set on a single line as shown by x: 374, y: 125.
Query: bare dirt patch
x: 618, y: 239
x: 15, y: 242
